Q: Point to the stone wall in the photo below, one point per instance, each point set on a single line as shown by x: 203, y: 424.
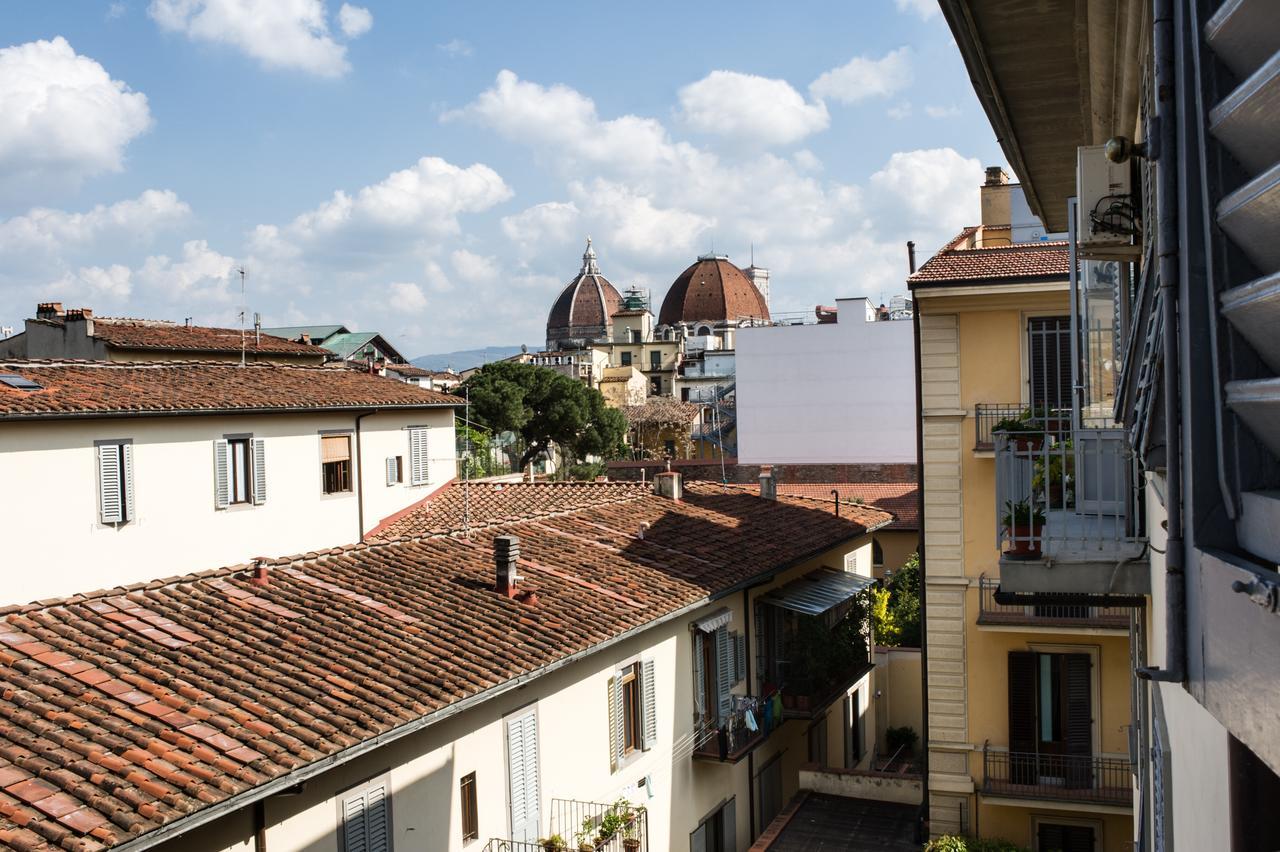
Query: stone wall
x: 708, y: 469
x: 863, y: 784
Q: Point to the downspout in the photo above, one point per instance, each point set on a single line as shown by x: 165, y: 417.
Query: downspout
x: 751, y: 755
x: 1174, y: 670
x: 359, y: 474
x: 923, y: 824
x: 260, y: 826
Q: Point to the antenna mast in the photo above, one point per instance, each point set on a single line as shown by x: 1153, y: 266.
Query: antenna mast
x: 244, y: 309
x: 466, y: 468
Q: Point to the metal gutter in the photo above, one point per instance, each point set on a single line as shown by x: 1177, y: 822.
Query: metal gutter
x: 124, y: 414
x: 311, y: 770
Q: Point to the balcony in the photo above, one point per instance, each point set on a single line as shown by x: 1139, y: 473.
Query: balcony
x: 735, y: 739
x: 574, y: 825
x: 1086, y: 779
x: 1069, y: 512
x: 1044, y: 613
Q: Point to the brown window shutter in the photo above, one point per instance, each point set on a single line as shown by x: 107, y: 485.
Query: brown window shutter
x: 1022, y: 716
x: 1079, y: 722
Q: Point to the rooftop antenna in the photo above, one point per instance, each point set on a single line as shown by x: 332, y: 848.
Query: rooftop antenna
x: 466, y: 468
x: 753, y: 252
x: 244, y: 309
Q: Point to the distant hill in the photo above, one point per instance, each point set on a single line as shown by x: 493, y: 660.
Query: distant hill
x: 465, y: 359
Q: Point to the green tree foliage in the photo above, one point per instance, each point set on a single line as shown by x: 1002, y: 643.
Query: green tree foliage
x: 473, y: 451
x: 956, y: 843
x: 544, y: 407
x: 895, y: 609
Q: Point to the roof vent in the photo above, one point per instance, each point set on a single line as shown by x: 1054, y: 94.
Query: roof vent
x: 768, y: 484
x: 17, y: 382
x: 48, y: 310
x: 506, y: 553
x: 667, y: 484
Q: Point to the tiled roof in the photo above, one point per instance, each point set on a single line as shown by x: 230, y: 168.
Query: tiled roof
x: 712, y: 289
x: 1022, y: 261
x: 97, y: 388
x: 897, y: 498
x: 410, y: 370
x: 661, y: 410
x: 151, y: 334
x: 127, y: 711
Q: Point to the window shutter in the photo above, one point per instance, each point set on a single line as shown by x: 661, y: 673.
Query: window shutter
x: 418, y: 461
x: 221, y: 477
x: 377, y: 819
x: 699, y: 677
x: 849, y: 762
x: 1022, y: 716
x: 391, y: 470
x: 729, y: 824
x: 1079, y: 721
x: 649, y: 699
x: 698, y: 839
x: 110, y: 500
x: 366, y: 819
x: 259, y: 471
x: 617, y: 742
x: 522, y: 765
x: 724, y: 674
x: 126, y: 461
x: 740, y: 657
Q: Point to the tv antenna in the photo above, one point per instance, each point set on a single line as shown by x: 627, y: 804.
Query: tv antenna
x: 244, y: 309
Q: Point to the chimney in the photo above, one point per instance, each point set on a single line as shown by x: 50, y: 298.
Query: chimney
x: 259, y: 575
x: 911, y: 256
x: 506, y: 553
x: 305, y: 338
x: 48, y: 310
x: 996, y: 198
x: 768, y: 485
x: 667, y: 484
x: 80, y: 315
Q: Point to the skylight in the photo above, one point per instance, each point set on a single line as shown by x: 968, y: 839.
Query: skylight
x: 13, y: 380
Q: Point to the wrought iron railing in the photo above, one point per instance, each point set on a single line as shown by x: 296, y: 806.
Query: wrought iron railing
x: 1076, y: 778
x: 731, y: 741
x: 611, y: 827
x: 991, y: 611
x: 1071, y: 496
x: 987, y: 415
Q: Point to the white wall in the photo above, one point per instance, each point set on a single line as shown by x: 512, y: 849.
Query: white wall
x: 833, y: 393
x: 56, y: 545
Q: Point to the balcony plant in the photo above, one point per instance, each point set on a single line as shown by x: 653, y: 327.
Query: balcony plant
x: 585, y: 838
x: 1023, y: 522
x: 631, y: 835
x: 1053, y: 475
x: 554, y: 843
x: 1023, y: 431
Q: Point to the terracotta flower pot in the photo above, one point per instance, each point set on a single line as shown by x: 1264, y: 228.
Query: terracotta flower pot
x: 1027, y: 442
x: 1026, y: 540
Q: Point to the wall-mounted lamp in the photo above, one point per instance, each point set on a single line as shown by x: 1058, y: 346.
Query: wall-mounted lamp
x: 1120, y: 148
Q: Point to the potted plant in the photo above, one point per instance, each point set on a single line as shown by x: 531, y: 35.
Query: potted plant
x: 1023, y: 522
x: 614, y: 820
x: 631, y: 835
x: 1023, y: 432
x: 1052, y: 475
x: 584, y: 837
x: 554, y: 843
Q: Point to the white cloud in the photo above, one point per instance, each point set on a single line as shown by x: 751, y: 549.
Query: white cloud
x: 925, y: 9
x: 806, y: 161
x: 355, y: 21
x: 633, y: 223
x: 91, y: 283
x: 65, y: 119
x: 455, y: 47
x: 202, y: 273
x: 751, y: 108
x: 286, y: 34
x: 406, y: 296
x: 46, y: 232
x: 938, y: 185
x: 116, y: 10
x: 941, y: 111
x: 552, y: 222
x: 861, y: 78
x: 899, y: 111
x: 474, y: 268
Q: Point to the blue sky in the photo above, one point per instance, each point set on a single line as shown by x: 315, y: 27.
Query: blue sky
x: 431, y: 170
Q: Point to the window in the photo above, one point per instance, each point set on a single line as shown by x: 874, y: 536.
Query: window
x: 395, y: 470
x: 877, y: 553
x: 655, y: 360
x: 364, y: 814
x: 336, y: 463
x: 1049, y: 362
x: 1050, y: 718
x: 718, y: 831
x: 419, y: 460
x: 719, y: 662
x: 818, y: 741
x: 115, y: 481
x: 470, y: 808
x: 769, y: 791
x: 626, y: 359
x: 669, y: 447
x: 853, y: 744
x: 1055, y: 837
x: 239, y: 471
x: 633, y: 712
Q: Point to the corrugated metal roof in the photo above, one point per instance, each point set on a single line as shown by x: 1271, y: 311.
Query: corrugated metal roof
x: 818, y: 591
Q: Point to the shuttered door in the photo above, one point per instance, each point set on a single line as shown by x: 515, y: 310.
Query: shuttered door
x: 522, y: 769
x: 724, y: 673
x: 1078, y: 726
x: 366, y: 819
x: 729, y: 821
x: 1049, y: 362
x: 1022, y: 717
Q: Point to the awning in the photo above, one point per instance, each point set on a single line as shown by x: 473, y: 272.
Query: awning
x: 818, y: 591
x: 715, y: 620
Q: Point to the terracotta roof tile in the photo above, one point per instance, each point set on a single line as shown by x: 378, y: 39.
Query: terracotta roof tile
x: 662, y: 410
x: 105, y: 388
x: 1022, y: 261
x: 897, y: 498
x: 260, y: 695
x: 156, y: 334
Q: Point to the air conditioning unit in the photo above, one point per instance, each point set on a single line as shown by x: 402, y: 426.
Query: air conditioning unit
x: 1107, y: 216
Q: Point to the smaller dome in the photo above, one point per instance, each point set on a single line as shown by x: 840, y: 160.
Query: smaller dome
x: 712, y: 290
x: 584, y: 307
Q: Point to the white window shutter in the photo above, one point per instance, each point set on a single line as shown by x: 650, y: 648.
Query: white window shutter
x: 110, y: 500
x: 221, y: 476
x: 391, y: 470
x: 617, y: 740
x: 259, y: 471
x: 648, y: 693
x: 848, y: 733
x: 419, y: 472
x: 724, y: 673
x: 126, y: 462
x: 740, y: 657
x: 699, y: 677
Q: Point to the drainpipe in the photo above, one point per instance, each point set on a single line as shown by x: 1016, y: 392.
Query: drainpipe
x: 923, y: 824
x: 260, y: 826
x: 751, y: 755
x: 359, y: 474
x: 1174, y: 670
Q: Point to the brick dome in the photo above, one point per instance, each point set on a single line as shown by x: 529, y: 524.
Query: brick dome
x: 712, y: 290
x: 584, y: 308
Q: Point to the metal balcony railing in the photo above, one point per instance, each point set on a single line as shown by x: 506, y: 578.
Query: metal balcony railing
x: 733, y: 740
x: 986, y: 416
x: 1060, y: 777
x: 1070, y: 496
x: 991, y: 611
x: 606, y: 827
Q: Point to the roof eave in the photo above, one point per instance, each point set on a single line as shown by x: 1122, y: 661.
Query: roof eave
x: 218, y: 412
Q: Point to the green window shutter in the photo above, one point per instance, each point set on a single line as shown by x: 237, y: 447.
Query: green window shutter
x: 259, y: 471
x: 724, y: 673
x: 740, y: 657
x: 648, y: 692
x: 221, y: 475
x: 110, y: 498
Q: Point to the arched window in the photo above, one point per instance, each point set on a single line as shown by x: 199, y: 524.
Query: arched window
x: 704, y: 331
x: 877, y: 553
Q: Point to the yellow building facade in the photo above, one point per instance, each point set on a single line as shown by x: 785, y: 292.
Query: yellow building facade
x: 1028, y: 700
